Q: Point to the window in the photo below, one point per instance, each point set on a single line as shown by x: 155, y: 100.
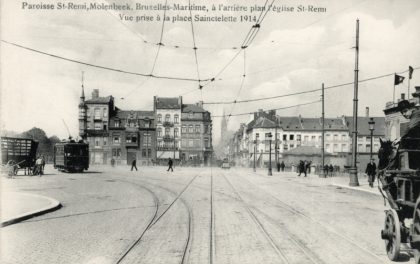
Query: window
x: 116, y: 139
x: 159, y: 132
x: 175, y: 132
x: 344, y: 147
x: 285, y: 147
x: 167, y: 117
x: 105, y: 112
x: 206, y: 143
x: 292, y: 146
x: 160, y: 143
x: 327, y: 146
x: 176, y: 119
x: 159, y: 118
x: 190, y: 129
x: 117, y: 123
x: 183, y: 143
x: 298, y: 137
x: 257, y: 135
x: 147, y: 123
x: 197, y: 129
x: 184, y: 129
x: 335, y: 147
x: 368, y: 147
x: 147, y: 139
x: 335, y: 137
x: 96, y: 142
x: 104, y: 126
x: 343, y: 137
x: 131, y: 139
x: 190, y: 143
x: 105, y: 141
x: 98, y: 126
x: 197, y: 143
x: 206, y: 129
x: 306, y: 138
x: 166, y: 131
x: 116, y: 153
x: 190, y: 115
x: 291, y: 137
x: 328, y: 136
x: 284, y: 137
x: 97, y: 113
x: 88, y: 113
x: 313, y: 138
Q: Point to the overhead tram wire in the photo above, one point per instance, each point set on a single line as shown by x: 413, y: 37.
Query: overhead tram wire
x: 247, y: 41
x: 250, y: 36
x: 195, y: 52
x: 103, y: 67
x: 309, y: 91
x: 280, y: 108
x: 160, y: 44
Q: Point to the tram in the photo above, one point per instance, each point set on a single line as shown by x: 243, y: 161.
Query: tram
x: 71, y: 156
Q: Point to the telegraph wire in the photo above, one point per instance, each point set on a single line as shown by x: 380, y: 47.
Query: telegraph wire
x: 104, y: 67
x: 280, y: 108
x: 160, y: 44
x: 309, y: 91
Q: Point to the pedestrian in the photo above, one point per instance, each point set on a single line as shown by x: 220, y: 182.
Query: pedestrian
x: 42, y: 164
x: 278, y: 166
x: 301, y: 167
x: 326, y: 169
x: 282, y: 166
x: 331, y: 169
x: 170, y: 163
x: 112, y: 162
x: 305, y: 167
x: 133, y: 165
x: 371, y: 172
x: 38, y: 166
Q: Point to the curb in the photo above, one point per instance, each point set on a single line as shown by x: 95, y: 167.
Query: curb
x: 357, y: 189
x: 54, y: 205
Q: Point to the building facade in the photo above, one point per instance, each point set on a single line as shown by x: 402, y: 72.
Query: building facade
x: 149, y: 137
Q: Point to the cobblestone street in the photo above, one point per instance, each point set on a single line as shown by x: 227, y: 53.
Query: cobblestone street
x: 193, y: 215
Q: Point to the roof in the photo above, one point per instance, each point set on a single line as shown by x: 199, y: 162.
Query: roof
x: 306, y: 150
x: 168, y: 103
x: 363, y: 125
x: 302, y: 123
x: 186, y: 108
x: 99, y: 100
x: 123, y: 114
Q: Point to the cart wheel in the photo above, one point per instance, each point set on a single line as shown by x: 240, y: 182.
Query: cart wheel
x: 415, y: 232
x: 393, y: 231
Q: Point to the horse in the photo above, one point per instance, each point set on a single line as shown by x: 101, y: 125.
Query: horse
x: 387, y: 154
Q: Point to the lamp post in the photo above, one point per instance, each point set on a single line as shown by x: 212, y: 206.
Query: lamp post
x: 371, y: 128
x: 270, y: 171
x: 255, y: 152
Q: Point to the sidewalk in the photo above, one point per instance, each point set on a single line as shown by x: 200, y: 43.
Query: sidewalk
x: 341, y: 181
x: 19, y: 206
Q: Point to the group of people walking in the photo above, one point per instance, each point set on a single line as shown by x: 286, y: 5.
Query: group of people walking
x: 134, y: 165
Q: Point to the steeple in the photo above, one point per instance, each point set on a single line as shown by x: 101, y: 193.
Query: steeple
x: 82, y: 98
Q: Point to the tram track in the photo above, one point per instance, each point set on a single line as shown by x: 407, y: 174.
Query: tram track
x: 296, y: 212
x: 156, y: 218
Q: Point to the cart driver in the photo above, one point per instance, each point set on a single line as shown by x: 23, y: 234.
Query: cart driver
x: 413, y: 129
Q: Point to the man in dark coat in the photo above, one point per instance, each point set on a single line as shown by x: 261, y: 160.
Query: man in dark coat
x: 413, y: 128
x: 282, y: 166
x: 133, y: 165
x: 170, y: 163
x: 371, y: 172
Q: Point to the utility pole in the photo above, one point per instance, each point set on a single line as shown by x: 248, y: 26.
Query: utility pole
x: 321, y: 172
x: 353, y: 170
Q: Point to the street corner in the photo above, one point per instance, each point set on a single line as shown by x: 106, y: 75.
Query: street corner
x: 18, y: 206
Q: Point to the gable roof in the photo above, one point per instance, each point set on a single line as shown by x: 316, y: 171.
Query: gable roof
x: 168, y: 103
x: 186, y: 108
x: 363, y: 125
x: 99, y: 100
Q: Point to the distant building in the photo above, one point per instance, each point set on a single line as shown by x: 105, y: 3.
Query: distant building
x: 150, y: 137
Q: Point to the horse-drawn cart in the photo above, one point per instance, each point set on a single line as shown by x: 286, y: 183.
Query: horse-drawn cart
x: 17, y: 153
x: 399, y: 174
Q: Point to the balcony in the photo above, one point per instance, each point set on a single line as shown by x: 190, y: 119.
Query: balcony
x: 168, y: 124
x: 167, y: 148
x: 168, y: 138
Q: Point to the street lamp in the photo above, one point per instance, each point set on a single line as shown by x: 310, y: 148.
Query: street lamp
x: 255, y: 151
x: 371, y: 128
x: 270, y: 171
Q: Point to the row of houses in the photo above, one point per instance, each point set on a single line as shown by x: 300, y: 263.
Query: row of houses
x: 175, y: 130
x: 294, y: 138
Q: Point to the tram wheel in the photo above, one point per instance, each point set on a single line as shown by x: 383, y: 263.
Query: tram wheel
x: 393, y: 231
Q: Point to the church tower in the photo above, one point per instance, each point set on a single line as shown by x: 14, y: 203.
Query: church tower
x: 223, y: 127
x: 82, y: 113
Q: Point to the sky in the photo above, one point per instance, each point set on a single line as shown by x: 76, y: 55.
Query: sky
x: 292, y: 52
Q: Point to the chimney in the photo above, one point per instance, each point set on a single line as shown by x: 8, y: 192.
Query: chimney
x: 200, y: 103
x: 180, y: 101
x: 403, y: 96
x: 95, y: 94
x: 367, y: 111
x: 417, y: 92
